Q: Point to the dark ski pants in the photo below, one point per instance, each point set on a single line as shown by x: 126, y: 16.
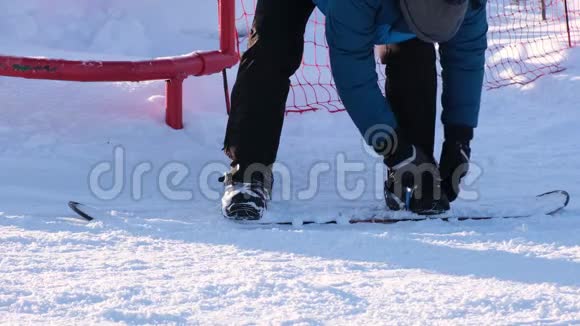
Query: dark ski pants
x: 275, y: 52
x: 411, y: 88
x: 259, y: 95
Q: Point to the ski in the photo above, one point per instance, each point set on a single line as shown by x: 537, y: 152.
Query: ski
x: 548, y: 203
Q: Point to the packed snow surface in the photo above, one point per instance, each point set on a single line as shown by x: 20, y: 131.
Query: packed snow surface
x: 167, y: 256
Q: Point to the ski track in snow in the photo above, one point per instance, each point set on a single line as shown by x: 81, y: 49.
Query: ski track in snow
x: 178, y: 262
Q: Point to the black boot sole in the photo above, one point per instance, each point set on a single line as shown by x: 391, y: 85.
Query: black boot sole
x: 243, y: 212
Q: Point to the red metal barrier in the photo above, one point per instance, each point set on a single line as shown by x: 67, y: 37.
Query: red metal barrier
x: 174, y: 70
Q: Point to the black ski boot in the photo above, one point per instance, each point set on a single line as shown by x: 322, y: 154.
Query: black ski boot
x: 246, y: 199
x: 413, y: 182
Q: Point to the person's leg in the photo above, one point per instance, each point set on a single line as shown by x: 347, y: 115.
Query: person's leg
x: 263, y: 81
x: 411, y: 88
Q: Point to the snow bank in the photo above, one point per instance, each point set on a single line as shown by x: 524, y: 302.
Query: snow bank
x: 130, y: 27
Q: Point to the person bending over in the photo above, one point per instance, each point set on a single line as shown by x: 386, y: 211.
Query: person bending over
x: 400, y: 127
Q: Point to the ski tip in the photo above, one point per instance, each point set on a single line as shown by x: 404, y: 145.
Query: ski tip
x: 76, y: 207
x: 567, y: 195
x: 564, y: 193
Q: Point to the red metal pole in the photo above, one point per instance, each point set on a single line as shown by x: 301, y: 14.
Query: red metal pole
x: 195, y: 64
x: 227, y: 27
x: 174, y: 101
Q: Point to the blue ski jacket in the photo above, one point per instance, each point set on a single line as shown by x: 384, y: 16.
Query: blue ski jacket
x: 353, y: 27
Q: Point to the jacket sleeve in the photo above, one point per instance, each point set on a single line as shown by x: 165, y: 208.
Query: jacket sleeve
x: 462, y: 62
x: 351, y: 31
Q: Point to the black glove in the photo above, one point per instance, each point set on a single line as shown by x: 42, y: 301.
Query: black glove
x: 411, y: 168
x: 455, y: 155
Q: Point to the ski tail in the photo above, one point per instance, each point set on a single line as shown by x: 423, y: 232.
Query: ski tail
x: 80, y: 210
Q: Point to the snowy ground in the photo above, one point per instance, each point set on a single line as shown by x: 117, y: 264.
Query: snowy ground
x: 177, y: 261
